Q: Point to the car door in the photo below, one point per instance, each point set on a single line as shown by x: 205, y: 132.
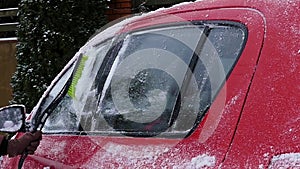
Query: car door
x: 210, y: 56
x: 268, y: 132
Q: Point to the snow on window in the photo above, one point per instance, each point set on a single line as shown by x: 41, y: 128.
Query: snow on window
x: 150, y: 82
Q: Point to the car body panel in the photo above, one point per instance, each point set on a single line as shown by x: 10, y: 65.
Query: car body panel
x: 268, y: 132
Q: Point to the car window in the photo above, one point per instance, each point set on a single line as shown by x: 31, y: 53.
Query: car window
x: 153, y: 82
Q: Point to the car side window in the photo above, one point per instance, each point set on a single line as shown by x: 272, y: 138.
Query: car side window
x: 152, y: 82
x: 228, y: 42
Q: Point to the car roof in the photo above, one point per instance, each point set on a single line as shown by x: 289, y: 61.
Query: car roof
x: 262, y: 6
x: 269, y: 8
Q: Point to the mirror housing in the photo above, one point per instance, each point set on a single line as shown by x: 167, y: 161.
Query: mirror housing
x: 12, y: 118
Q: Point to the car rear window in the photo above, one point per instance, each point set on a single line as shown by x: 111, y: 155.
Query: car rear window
x: 152, y: 82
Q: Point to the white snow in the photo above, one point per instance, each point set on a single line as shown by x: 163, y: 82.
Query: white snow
x: 185, y: 3
x: 232, y: 102
x: 201, y: 161
x: 127, y: 156
x: 145, y: 156
x: 54, y: 149
x: 147, y: 153
x: 11, y: 125
x: 289, y: 160
x: 180, y: 4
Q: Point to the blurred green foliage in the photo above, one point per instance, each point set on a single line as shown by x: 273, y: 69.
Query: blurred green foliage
x: 49, y: 34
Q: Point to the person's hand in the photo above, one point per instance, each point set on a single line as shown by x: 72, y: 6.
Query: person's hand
x: 28, y: 142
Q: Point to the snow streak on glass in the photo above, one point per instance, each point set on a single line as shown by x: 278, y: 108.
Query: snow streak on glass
x: 81, y: 93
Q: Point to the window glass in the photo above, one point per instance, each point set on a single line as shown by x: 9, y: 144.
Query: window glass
x: 228, y: 42
x: 155, y: 82
x: 64, y: 117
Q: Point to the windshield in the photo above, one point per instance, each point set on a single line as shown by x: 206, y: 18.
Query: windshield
x: 147, y: 83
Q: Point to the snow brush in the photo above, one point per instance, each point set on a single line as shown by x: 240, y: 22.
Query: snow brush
x: 45, y: 106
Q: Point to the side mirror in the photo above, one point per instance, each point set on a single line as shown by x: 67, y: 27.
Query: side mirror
x: 12, y: 118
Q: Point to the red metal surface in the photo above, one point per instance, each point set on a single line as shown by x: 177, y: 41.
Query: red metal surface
x: 260, y: 117
x: 270, y: 124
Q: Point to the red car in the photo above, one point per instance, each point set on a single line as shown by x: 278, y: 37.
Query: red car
x: 206, y: 84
